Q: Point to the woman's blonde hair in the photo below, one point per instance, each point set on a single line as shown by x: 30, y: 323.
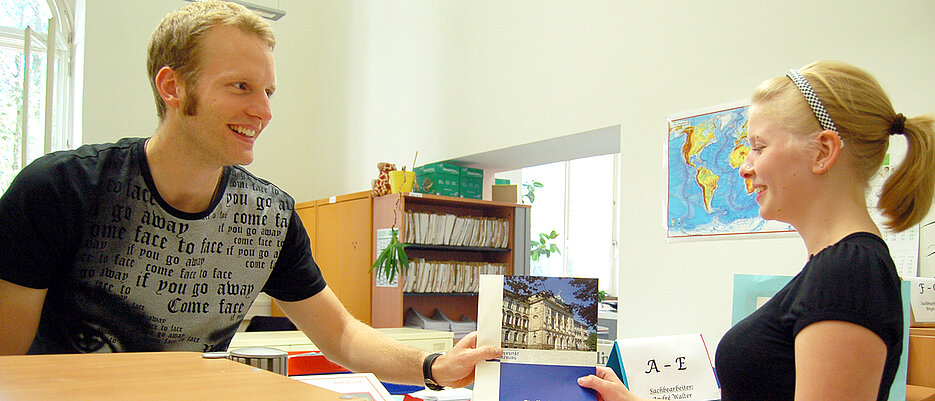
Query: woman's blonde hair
x: 865, y: 119
x: 176, y: 42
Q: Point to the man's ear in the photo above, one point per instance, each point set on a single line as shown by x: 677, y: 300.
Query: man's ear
x: 170, y: 87
x: 829, y: 148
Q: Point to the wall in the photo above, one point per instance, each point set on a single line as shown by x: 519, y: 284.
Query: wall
x: 699, y: 54
x: 294, y: 151
x: 366, y: 81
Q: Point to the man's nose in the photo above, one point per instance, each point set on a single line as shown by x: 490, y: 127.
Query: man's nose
x: 260, y: 107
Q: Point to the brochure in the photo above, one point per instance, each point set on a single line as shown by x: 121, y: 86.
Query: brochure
x: 547, y: 327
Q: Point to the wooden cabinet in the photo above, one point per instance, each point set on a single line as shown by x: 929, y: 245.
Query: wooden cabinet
x: 343, y: 249
x: 339, y: 229
x: 390, y: 303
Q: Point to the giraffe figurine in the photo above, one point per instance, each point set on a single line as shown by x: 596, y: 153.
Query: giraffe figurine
x: 381, y: 186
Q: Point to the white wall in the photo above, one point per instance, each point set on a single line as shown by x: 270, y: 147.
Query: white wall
x: 683, y: 56
x: 118, y: 101
x: 368, y: 81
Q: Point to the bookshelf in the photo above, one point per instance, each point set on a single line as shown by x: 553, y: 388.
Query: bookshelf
x: 389, y: 303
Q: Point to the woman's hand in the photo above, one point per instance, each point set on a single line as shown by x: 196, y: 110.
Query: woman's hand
x: 607, y: 385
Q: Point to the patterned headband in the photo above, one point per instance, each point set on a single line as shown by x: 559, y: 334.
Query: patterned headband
x: 812, y: 98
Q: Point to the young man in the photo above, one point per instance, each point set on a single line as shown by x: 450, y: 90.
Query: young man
x: 162, y: 243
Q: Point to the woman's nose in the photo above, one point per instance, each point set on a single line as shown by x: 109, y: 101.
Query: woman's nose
x: 746, y: 169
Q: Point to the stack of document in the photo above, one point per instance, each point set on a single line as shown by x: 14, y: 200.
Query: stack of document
x: 440, y: 322
x: 447, y: 276
x: 460, y: 328
x: 448, y: 229
x: 418, y: 320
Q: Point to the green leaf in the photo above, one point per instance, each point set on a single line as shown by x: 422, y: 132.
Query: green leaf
x: 389, y: 267
x: 403, y: 259
x: 380, y: 259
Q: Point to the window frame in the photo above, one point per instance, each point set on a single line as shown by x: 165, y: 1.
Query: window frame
x: 57, y: 47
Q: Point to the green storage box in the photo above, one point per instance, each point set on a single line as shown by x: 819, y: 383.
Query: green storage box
x: 439, y: 179
x: 472, y: 183
x: 444, y: 168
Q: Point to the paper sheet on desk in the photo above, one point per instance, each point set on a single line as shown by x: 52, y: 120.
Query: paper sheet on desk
x: 363, y: 386
x: 450, y: 394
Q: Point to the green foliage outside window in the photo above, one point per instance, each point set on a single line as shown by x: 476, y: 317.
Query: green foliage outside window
x: 544, y: 245
x: 17, y: 15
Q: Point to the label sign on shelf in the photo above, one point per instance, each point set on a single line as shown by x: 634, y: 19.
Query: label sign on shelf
x: 922, y: 300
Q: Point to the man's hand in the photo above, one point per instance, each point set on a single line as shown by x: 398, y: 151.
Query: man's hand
x: 456, y: 367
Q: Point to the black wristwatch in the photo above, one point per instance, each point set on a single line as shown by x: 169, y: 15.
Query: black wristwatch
x: 430, y: 382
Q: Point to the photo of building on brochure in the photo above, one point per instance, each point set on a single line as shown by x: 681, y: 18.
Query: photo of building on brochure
x: 549, y: 313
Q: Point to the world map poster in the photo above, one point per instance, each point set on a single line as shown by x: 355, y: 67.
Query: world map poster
x: 706, y: 195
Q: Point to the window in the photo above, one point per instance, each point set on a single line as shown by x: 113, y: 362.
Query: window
x: 577, y: 200
x: 35, y: 83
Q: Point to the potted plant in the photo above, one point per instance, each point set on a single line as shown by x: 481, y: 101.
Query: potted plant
x: 393, y: 258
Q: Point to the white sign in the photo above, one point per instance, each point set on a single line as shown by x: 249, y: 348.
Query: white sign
x: 384, y: 235
x: 666, y: 367
x: 922, y: 299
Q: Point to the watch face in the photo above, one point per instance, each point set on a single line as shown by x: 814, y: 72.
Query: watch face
x: 432, y: 385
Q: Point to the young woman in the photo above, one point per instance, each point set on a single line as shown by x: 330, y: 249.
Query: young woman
x: 835, y: 331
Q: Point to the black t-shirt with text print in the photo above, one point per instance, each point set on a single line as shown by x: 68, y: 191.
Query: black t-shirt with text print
x: 125, y: 271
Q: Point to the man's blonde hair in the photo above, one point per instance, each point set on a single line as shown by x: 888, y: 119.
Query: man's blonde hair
x: 176, y: 42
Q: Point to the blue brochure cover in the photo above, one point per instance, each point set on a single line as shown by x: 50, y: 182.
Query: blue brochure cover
x: 526, y: 381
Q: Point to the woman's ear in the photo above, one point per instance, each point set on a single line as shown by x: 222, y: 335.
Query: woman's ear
x: 829, y: 148
x: 170, y: 87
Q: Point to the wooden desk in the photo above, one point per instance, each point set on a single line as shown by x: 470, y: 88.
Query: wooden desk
x: 145, y: 376
x: 919, y: 393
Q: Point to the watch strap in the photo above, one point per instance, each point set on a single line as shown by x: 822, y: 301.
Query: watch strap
x: 427, y: 363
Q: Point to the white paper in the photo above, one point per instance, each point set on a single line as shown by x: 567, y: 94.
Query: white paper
x: 361, y: 386
x: 448, y: 394
x: 669, y: 367
x: 927, y: 245
x: 384, y: 235
x: 922, y: 299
